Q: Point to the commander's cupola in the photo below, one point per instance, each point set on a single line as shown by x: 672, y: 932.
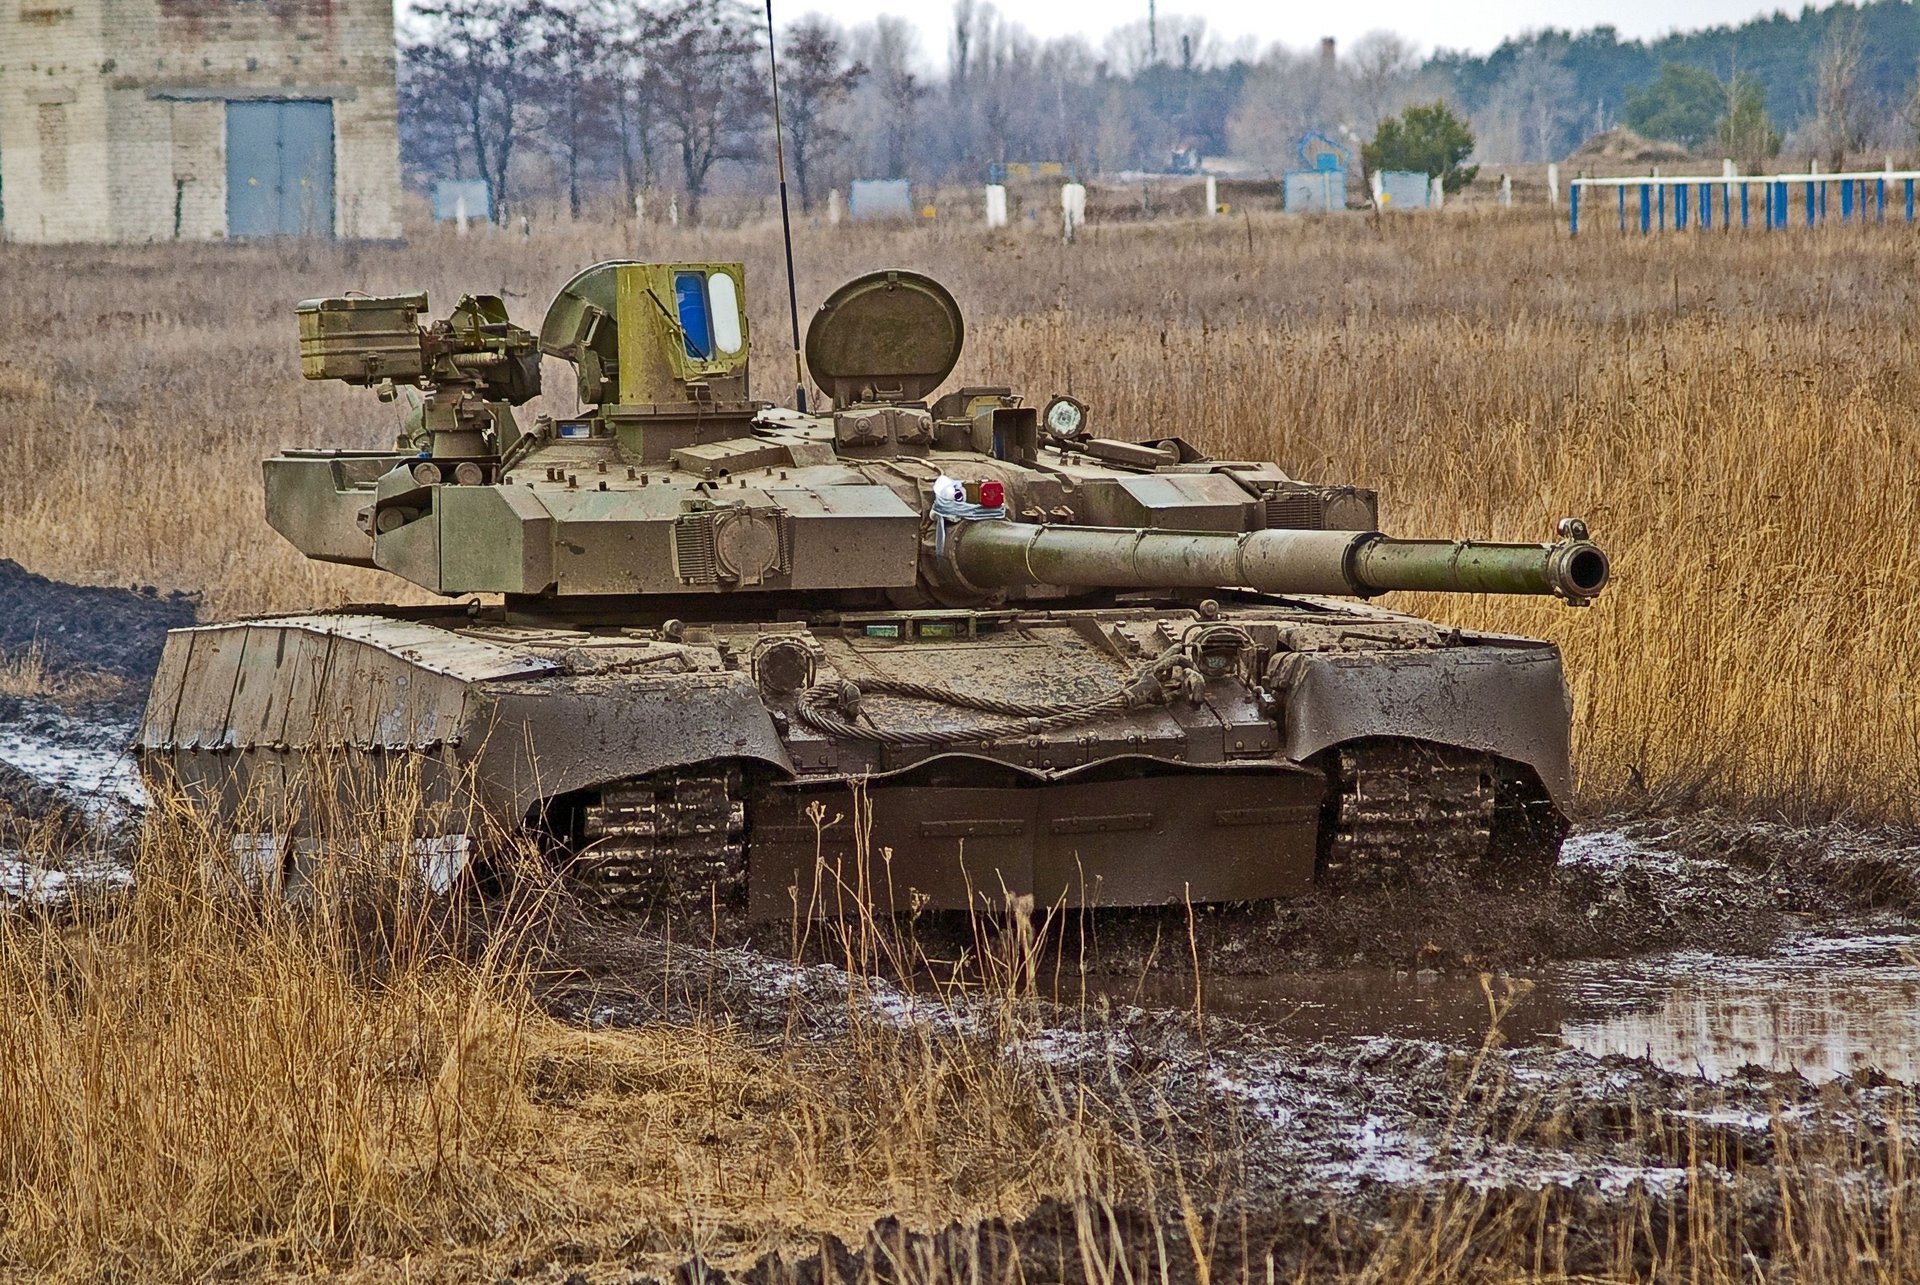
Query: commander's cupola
x: 661, y: 350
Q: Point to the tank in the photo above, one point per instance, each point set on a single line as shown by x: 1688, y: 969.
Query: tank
x: 919, y: 648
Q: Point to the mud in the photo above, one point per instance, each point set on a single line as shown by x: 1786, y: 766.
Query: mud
x: 83, y: 629
x: 68, y: 788
x: 1324, y: 1109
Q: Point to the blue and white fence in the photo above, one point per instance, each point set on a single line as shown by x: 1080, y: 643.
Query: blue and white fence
x: 1654, y: 203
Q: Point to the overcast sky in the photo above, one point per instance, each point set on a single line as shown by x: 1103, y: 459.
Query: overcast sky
x: 1477, y: 24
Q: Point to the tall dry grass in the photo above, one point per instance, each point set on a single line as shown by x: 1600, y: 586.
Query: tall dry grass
x: 200, y: 1080
x: 1729, y: 411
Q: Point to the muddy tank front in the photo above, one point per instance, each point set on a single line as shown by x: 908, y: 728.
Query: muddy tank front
x: 910, y: 652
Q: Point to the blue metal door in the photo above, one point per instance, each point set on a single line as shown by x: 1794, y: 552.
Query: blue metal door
x: 279, y: 169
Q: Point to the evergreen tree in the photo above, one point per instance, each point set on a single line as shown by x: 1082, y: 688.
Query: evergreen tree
x: 1429, y: 139
x: 1683, y: 105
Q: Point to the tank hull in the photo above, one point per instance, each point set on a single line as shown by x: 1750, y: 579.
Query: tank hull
x: 1124, y: 754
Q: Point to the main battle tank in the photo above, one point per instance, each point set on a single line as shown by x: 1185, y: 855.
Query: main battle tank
x: 925, y: 650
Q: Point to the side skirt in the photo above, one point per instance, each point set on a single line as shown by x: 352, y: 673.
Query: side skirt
x: 1144, y: 840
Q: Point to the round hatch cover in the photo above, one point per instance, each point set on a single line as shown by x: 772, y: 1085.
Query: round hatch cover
x: 888, y: 336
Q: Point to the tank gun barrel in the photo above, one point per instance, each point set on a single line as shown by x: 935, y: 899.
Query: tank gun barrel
x: 996, y: 554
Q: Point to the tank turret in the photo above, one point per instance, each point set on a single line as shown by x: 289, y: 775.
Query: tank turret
x: 1105, y: 668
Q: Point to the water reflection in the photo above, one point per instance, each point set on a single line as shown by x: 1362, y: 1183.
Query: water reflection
x: 1822, y: 1006
x: 1825, y: 1005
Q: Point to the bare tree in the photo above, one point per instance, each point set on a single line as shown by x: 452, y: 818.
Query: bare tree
x: 1382, y: 67
x: 968, y: 53
x: 816, y: 77
x: 481, y: 64
x: 1285, y: 97
x: 1180, y: 39
x: 706, y: 62
x: 1910, y: 111
x: 633, y: 98
x: 1529, y: 112
x: 1001, y: 69
x: 582, y: 59
x: 891, y: 59
x: 1839, y: 113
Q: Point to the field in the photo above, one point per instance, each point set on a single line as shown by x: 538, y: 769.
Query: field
x: 189, y: 1088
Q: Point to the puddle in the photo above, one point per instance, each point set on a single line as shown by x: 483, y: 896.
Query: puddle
x: 24, y: 882
x: 87, y: 763
x: 1823, y: 1004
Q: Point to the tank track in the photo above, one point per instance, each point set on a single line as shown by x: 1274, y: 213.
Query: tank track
x: 1400, y: 813
x: 671, y: 839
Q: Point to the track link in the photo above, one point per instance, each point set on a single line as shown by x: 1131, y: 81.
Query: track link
x: 676, y: 838
x: 1400, y: 813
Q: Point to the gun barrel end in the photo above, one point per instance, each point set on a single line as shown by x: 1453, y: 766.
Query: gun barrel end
x: 1579, y: 570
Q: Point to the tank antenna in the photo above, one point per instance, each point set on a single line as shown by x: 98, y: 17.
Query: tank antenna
x: 786, y: 219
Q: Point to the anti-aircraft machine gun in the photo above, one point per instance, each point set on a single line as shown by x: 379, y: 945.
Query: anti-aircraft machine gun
x: 1094, y: 669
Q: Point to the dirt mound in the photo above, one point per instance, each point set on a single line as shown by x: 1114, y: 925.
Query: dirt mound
x: 1623, y: 146
x: 80, y: 627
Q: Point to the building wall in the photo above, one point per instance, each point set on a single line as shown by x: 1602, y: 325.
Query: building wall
x: 113, y: 112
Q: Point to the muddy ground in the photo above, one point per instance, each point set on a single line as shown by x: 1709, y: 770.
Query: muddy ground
x: 1326, y: 1064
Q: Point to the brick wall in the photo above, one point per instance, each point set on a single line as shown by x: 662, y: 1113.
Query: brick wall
x: 113, y: 112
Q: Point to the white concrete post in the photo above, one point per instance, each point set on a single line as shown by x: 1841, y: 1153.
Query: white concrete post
x: 996, y: 205
x: 833, y: 206
x: 460, y: 213
x: 1373, y: 186
x: 1728, y: 169
x: 639, y: 209
x: 1553, y: 184
x: 1073, y: 208
x: 1506, y: 190
x: 1437, y: 192
x: 1213, y: 196
x: 673, y: 209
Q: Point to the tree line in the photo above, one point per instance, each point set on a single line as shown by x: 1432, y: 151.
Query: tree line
x: 581, y: 99
x: 1822, y: 83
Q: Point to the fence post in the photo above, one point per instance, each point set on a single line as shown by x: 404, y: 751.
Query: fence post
x: 1213, y: 195
x: 1646, y: 210
x: 1553, y: 184
x: 996, y: 205
x: 1622, y: 190
x: 1573, y: 209
x: 1073, y: 208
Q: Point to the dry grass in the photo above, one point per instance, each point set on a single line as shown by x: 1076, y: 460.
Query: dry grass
x: 202, y: 1080
x: 27, y: 674
x: 1730, y: 412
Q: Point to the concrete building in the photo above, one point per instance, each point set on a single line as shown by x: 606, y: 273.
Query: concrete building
x: 158, y: 120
